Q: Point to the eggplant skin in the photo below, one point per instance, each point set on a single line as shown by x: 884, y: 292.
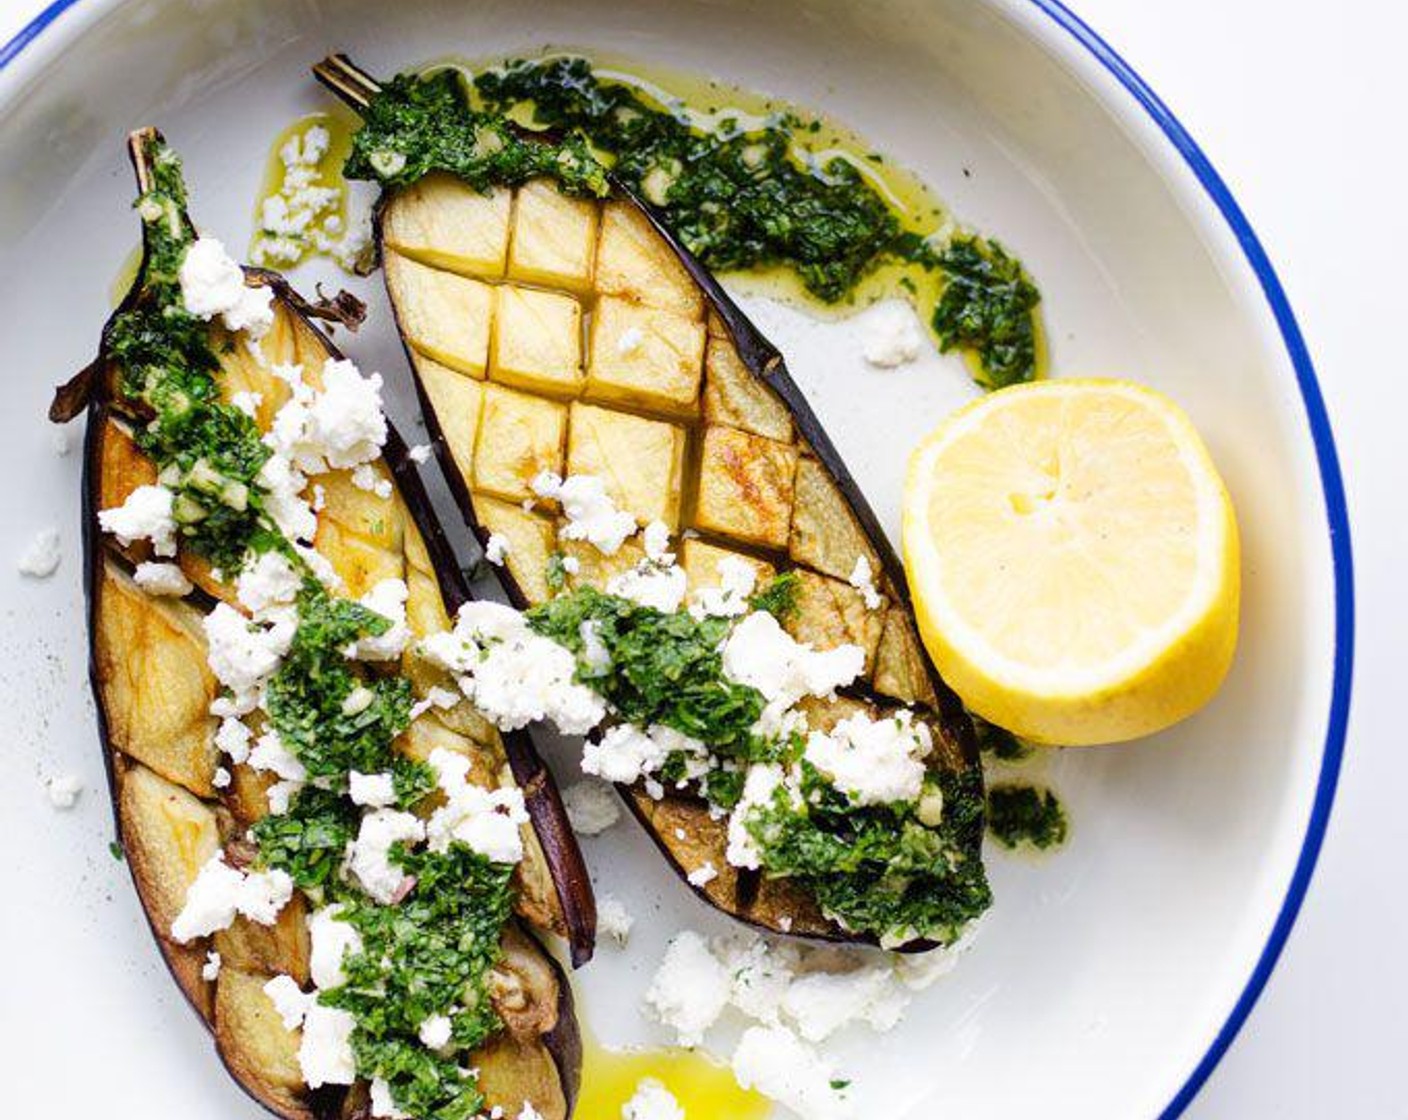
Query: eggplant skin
x: 694, y: 422
x: 147, y: 672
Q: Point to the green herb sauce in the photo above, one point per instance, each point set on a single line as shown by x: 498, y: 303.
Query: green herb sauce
x: 1025, y: 816
x: 417, y: 125
x: 664, y: 668
x: 738, y: 194
x: 207, y: 452
x: 877, y: 869
x: 415, y: 961
x: 434, y: 950
x: 998, y: 743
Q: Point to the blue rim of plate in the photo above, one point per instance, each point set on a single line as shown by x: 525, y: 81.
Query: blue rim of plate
x: 1331, y: 484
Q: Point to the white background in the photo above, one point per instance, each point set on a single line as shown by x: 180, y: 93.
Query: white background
x: 1302, y: 108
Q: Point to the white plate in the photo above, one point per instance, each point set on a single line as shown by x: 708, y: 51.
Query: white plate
x: 1108, y: 979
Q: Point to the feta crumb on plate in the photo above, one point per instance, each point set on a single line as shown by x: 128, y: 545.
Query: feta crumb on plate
x: 892, y: 336
x: 41, y: 556
x: 652, y: 1101
x: 63, y: 790
x: 690, y: 990
x: 592, y: 806
x: 613, y: 919
x: 776, y: 1063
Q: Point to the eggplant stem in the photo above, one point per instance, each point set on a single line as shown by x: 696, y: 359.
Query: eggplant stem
x: 355, y: 86
x: 139, y: 145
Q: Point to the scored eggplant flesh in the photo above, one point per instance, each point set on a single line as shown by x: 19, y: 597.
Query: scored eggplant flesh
x: 154, y: 690
x: 562, y: 334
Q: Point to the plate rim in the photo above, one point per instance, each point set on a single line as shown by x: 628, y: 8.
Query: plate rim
x: 1327, y: 463
x: 1336, y: 511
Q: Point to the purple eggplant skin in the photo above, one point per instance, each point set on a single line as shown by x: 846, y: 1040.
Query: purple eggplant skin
x: 541, y: 795
x: 92, y: 393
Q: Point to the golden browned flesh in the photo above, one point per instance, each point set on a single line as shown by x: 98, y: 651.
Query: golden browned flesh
x: 597, y: 355
x: 156, y: 691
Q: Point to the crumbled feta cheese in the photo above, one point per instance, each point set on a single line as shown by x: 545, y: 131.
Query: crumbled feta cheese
x: 283, y: 498
x: 222, y: 778
x: 613, y: 919
x: 388, y: 599
x: 571, y: 565
x: 703, y: 875
x: 341, y: 427
x: 892, y: 337
x: 690, y: 989
x: 212, y: 283
x: 303, y: 215
x: 652, y: 1101
x: 291, y: 1003
x: 821, y: 1003
x: 760, y: 653
x: 211, y: 969
x: 325, y: 1051
x: 232, y: 737
x: 247, y: 402
x: 220, y: 892
x: 369, y: 855
x: 376, y: 791
x: 758, y: 789
x: 656, y: 539
x: 777, y: 1064
x: 625, y: 753
x: 529, y: 1112
x: 651, y: 585
x: 270, y: 755
x: 875, y: 761
x: 591, y: 514
x: 244, y: 654
x: 332, y: 939
x: 487, y: 820
x: 280, y: 795
x: 162, y: 579
x: 930, y: 810
x: 319, y: 565
x: 383, y: 1103
x: 435, y: 1031
x: 863, y: 580
x: 366, y: 477
x: 497, y: 549
x: 268, y: 580
x: 145, y: 515
x: 437, y: 697
x: 63, y: 790
x: 420, y: 453
x: 41, y: 556
x: 514, y: 676
x: 737, y: 579
x: 592, y: 806
x: 760, y: 971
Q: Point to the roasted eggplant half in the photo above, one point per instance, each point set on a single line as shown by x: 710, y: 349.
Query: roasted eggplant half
x: 553, y: 324
x: 183, y: 798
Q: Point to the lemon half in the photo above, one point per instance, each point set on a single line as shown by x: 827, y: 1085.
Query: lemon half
x: 1074, y: 561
